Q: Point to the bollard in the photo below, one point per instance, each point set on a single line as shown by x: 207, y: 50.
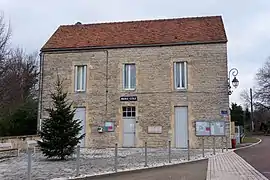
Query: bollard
x: 222, y: 145
x: 78, y: 161
x: 188, y: 150
x: 115, y: 158
x: 170, y: 152
x: 226, y: 143
x: 203, y: 146
x: 214, y: 145
x: 29, y: 165
x: 145, y: 154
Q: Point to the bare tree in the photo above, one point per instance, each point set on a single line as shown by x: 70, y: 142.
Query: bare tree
x: 262, y: 92
x: 18, y: 86
x: 245, y: 97
x: 5, y: 34
x: 18, y: 81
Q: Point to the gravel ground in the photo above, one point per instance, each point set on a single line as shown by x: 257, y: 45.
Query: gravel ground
x: 92, y: 161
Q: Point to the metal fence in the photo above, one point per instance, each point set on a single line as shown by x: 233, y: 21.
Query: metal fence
x: 93, y: 161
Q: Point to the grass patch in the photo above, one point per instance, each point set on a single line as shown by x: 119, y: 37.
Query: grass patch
x: 250, y: 140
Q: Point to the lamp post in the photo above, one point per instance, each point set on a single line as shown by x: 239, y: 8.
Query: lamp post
x: 235, y: 82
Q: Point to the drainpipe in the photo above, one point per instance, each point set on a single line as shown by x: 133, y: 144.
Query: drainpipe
x: 107, y: 79
x: 41, y: 65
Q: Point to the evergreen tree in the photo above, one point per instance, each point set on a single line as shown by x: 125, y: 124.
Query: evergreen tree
x: 60, y: 133
x: 237, y: 114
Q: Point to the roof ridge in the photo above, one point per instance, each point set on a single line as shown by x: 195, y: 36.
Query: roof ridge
x: 146, y: 20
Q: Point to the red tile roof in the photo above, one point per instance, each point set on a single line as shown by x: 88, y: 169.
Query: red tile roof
x: 134, y: 33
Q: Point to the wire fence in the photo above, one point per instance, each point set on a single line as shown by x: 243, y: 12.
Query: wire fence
x: 32, y: 164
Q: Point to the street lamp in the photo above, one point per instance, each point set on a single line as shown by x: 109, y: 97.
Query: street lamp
x: 235, y: 81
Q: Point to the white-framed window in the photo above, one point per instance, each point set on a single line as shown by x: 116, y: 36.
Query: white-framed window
x: 180, y: 75
x: 129, y: 76
x: 80, y: 78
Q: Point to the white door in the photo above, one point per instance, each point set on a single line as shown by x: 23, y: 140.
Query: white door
x: 129, y: 126
x: 181, y: 127
x: 80, y: 114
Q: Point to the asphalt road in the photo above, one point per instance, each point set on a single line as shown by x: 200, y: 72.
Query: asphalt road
x: 258, y: 156
x: 189, y: 171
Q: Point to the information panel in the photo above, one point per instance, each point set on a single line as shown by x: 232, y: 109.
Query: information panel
x: 217, y: 128
x: 210, y: 128
x: 203, y: 128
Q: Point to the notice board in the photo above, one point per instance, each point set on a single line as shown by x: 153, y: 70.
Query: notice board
x: 202, y: 128
x: 217, y: 128
x: 210, y: 128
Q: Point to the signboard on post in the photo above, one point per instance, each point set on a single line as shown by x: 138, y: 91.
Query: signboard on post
x: 202, y: 128
x: 217, y: 128
x: 210, y: 128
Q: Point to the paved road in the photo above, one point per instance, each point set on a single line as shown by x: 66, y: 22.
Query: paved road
x: 190, y: 171
x: 258, y: 156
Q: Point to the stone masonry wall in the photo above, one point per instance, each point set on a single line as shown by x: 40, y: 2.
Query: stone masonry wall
x: 19, y: 142
x: 206, y: 95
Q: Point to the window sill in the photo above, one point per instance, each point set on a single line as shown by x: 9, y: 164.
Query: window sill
x: 79, y: 91
x: 181, y: 90
x: 129, y: 89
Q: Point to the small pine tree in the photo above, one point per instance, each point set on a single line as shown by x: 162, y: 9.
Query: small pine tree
x: 60, y: 132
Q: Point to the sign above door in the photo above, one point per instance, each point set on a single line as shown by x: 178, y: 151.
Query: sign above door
x: 128, y: 98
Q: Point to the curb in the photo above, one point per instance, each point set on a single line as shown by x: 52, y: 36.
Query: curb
x: 136, y: 169
x: 254, y: 144
x: 139, y: 169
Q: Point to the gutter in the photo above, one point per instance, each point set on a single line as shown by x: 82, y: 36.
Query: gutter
x: 128, y: 46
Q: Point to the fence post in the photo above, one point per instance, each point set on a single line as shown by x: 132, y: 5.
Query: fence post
x: 115, y: 157
x: 214, y: 145
x: 145, y: 154
x: 170, y: 152
x: 203, y: 146
x: 29, y: 164
x: 222, y: 145
x: 188, y: 150
x: 78, y: 161
x: 226, y: 143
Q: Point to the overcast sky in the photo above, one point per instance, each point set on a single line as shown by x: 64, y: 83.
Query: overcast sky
x: 246, y: 22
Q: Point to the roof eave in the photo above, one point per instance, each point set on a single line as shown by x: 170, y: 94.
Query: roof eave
x: 129, y: 46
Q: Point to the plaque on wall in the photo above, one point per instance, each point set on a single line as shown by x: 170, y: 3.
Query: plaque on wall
x: 128, y: 98
x: 154, y: 129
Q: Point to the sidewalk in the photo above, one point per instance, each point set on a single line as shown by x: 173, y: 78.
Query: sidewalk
x: 231, y: 166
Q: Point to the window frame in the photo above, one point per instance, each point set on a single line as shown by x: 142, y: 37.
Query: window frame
x: 129, y: 110
x: 129, y: 77
x: 184, y: 87
x: 82, y: 80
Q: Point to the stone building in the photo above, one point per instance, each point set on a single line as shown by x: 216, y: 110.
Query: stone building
x: 140, y: 81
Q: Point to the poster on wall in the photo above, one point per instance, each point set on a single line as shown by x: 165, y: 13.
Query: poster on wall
x: 203, y: 128
x: 109, y: 126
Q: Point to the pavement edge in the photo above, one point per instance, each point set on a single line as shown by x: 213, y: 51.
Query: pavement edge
x: 84, y: 177
x: 254, y: 144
